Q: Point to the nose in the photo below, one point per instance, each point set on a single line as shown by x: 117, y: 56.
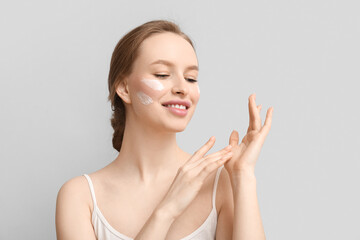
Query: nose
x: 180, y: 86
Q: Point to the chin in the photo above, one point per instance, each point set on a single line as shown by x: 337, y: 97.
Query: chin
x: 179, y: 128
x: 173, y: 128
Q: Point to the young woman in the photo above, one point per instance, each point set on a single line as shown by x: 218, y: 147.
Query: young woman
x: 154, y: 190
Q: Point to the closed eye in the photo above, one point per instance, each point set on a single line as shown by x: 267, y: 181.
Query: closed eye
x: 161, y: 75
x: 191, y: 80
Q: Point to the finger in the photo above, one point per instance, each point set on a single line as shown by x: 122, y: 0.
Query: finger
x: 267, y: 124
x: 259, y: 109
x: 254, y: 116
x: 210, y: 157
x: 234, y: 138
x: 203, y: 150
x: 249, y: 129
x: 258, y: 113
x: 217, y: 160
x: 199, y: 164
x: 220, y: 152
x: 245, y: 140
x: 207, y: 169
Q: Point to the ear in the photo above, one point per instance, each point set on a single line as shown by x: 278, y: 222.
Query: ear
x: 123, y: 91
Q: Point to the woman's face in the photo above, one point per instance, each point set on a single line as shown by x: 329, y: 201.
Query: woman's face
x: 166, y: 69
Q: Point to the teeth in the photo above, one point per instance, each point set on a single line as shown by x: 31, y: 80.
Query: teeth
x: 176, y: 106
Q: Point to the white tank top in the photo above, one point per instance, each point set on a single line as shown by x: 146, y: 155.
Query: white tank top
x: 104, y: 231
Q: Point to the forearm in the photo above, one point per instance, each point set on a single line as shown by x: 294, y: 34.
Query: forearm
x: 157, y: 226
x: 247, y: 218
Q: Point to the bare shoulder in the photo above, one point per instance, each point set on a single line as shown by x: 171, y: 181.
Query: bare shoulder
x: 73, y: 208
x: 75, y: 190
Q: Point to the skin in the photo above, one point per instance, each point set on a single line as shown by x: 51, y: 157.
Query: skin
x: 168, y: 189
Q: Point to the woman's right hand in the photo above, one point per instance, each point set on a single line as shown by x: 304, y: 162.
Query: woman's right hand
x: 191, y: 176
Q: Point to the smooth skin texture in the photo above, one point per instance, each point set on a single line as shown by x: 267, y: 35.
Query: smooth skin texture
x: 149, y: 158
x: 177, y: 185
x: 247, y: 219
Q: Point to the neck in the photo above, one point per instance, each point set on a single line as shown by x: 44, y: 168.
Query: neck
x: 148, y: 154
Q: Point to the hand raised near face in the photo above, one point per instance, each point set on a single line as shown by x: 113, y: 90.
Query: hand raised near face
x: 246, y: 153
x: 191, y: 176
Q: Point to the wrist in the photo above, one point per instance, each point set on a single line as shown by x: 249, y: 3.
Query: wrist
x: 243, y: 177
x: 243, y: 173
x: 164, y: 214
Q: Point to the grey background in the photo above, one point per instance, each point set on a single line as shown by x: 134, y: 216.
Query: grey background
x: 302, y: 57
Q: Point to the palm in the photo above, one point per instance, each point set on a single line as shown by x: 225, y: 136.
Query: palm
x: 246, y: 153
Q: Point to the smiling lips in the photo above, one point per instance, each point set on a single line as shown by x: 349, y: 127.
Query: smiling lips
x: 187, y: 104
x: 177, y: 107
x: 177, y: 110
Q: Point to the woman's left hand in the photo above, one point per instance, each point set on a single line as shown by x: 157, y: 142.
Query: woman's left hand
x: 246, y: 153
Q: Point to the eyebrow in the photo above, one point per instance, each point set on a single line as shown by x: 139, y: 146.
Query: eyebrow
x: 165, y: 62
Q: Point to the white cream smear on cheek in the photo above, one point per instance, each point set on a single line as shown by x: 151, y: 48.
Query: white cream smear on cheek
x: 154, y: 84
x: 144, y: 99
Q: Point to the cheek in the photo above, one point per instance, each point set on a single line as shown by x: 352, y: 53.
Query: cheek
x: 154, y: 84
x: 196, y: 93
x: 144, y: 98
x: 148, y: 90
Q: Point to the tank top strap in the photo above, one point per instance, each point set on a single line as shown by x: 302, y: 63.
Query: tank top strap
x: 215, y: 185
x: 91, y: 186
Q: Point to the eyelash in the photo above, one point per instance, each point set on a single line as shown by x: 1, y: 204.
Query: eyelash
x: 162, y: 76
